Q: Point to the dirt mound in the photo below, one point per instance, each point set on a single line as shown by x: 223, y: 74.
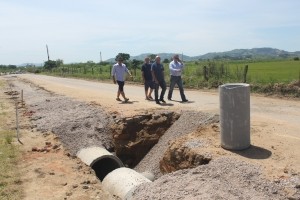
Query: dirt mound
x: 190, y: 150
x: 188, y: 122
x: 223, y: 178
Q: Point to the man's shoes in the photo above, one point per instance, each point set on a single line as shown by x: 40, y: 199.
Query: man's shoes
x: 118, y: 99
x: 149, y: 97
x: 157, y: 102
x: 126, y: 100
x: 185, y: 100
x: 162, y: 100
x: 169, y: 99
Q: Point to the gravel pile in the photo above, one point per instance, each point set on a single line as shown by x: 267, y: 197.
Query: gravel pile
x: 222, y: 178
x: 80, y: 125
x: 188, y: 122
x: 77, y: 124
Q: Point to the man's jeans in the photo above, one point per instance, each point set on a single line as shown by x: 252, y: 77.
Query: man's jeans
x: 176, y: 80
x: 163, y: 86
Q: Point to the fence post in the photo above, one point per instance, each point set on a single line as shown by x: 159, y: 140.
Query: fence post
x: 245, y: 73
x: 205, y: 73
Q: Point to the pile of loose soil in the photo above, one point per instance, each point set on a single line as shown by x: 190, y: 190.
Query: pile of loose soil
x: 223, y: 178
x: 188, y: 122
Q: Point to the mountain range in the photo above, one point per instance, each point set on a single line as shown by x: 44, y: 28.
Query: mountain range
x: 236, y: 54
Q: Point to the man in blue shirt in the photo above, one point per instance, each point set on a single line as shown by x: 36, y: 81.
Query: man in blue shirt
x: 176, y: 67
x: 118, y: 71
x: 157, y: 70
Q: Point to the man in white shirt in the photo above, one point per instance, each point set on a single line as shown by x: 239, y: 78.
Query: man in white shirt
x: 176, y: 67
x: 118, y: 71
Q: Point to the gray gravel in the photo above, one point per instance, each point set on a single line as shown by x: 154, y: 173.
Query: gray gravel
x: 222, y: 178
x: 77, y: 124
x: 80, y: 124
x: 188, y: 122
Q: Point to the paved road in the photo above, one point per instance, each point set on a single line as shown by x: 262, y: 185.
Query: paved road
x: 284, y: 115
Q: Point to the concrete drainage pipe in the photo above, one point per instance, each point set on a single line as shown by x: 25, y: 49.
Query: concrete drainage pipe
x: 122, y: 182
x: 235, y: 116
x: 100, y: 160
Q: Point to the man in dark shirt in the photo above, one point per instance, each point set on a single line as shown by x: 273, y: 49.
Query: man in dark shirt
x: 147, y: 78
x: 157, y: 70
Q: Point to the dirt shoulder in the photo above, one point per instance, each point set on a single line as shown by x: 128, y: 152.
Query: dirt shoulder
x: 45, y: 169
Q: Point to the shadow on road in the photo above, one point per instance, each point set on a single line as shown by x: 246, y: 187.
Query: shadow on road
x: 254, y: 152
x: 128, y: 102
x: 166, y: 104
x: 182, y: 101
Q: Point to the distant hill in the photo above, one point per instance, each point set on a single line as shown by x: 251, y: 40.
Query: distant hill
x: 236, y: 54
x: 255, y: 53
x: 31, y: 64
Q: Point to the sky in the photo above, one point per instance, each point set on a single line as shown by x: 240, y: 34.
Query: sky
x: 82, y: 30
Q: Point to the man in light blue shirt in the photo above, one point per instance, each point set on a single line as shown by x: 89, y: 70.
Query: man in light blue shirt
x: 176, y: 67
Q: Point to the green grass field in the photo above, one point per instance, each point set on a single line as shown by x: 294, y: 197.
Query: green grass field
x: 275, y: 72
x: 258, y: 72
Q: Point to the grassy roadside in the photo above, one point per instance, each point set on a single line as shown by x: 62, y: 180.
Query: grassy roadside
x: 9, y: 153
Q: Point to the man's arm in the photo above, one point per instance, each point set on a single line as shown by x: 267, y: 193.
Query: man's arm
x: 127, y: 70
x: 172, y: 68
x: 153, y: 75
x: 181, y: 63
x: 113, y: 74
x: 143, y: 76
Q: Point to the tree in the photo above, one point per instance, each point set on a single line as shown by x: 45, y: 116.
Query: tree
x: 59, y: 62
x: 135, y: 64
x: 166, y: 60
x: 50, y: 64
x: 12, y: 66
x: 152, y: 57
x: 124, y: 56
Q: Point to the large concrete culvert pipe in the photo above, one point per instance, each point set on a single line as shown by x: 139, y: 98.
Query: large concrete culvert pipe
x: 100, y: 160
x: 122, y: 182
x: 235, y: 116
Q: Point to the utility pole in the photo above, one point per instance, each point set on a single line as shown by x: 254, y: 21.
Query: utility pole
x: 100, y: 57
x: 47, y: 52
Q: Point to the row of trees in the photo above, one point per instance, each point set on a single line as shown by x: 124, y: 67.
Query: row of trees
x: 4, y: 68
x: 131, y: 64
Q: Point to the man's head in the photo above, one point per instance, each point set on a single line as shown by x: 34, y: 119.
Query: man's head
x: 157, y: 59
x: 147, y: 60
x: 120, y: 59
x: 176, y: 57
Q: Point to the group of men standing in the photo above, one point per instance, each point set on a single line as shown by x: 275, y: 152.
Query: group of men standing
x: 153, y: 77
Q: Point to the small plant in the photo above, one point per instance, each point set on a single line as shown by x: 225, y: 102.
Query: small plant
x: 8, y: 138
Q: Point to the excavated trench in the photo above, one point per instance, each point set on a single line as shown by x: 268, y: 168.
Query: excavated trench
x: 135, y: 136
